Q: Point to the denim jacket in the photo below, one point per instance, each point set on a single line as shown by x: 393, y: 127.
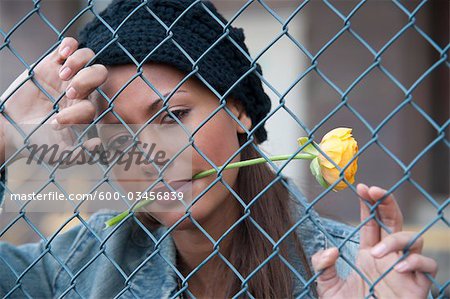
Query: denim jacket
x: 90, y: 262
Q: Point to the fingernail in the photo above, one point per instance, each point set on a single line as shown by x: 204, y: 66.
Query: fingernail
x: 326, y: 255
x: 402, y: 266
x: 378, y: 250
x: 64, y: 73
x: 64, y: 52
x: 55, y: 124
x: 363, y: 185
x: 71, y: 93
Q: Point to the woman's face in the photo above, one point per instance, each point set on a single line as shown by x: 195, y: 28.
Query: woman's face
x: 192, y: 104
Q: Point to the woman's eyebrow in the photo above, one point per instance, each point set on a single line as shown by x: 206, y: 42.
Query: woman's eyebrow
x: 158, y: 101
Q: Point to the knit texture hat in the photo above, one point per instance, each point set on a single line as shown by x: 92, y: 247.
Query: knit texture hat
x: 140, y: 31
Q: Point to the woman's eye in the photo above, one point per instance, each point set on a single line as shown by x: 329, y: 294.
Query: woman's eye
x: 180, y: 114
x: 120, y: 142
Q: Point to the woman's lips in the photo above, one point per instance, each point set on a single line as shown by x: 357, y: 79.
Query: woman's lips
x: 175, y: 185
x: 170, y: 200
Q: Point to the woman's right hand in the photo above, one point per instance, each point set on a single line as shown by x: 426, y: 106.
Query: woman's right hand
x: 60, y: 71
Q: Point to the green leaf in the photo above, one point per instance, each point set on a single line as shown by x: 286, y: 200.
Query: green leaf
x: 315, y: 170
x: 310, y: 149
x: 116, y: 219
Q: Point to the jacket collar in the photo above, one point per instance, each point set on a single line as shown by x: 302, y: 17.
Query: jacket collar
x: 158, y: 268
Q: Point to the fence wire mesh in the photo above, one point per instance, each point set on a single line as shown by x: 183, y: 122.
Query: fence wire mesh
x: 89, y: 9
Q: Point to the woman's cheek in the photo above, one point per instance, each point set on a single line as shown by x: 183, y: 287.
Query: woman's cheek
x: 217, y: 140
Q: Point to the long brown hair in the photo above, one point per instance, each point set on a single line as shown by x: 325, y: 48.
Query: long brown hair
x: 250, y: 248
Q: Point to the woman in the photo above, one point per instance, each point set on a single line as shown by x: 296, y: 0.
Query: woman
x: 219, y: 247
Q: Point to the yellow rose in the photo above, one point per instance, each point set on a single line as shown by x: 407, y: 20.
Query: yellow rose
x: 341, y: 147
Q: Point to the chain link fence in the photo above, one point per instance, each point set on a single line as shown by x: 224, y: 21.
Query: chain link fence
x: 281, y: 102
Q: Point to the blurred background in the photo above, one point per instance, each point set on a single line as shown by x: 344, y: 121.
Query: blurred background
x: 317, y: 99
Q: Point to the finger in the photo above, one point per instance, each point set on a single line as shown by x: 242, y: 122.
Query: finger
x: 80, y: 113
x: 423, y: 281
x: 397, y: 242
x: 75, y: 63
x: 417, y: 262
x: 85, y: 82
x: 92, y: 144
x: 389, y: 212
x: 67, y: 46
x: 326, y: 260
x: 370, y: 232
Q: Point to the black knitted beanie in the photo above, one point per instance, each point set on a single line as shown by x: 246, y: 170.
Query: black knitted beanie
x: 195, y: 30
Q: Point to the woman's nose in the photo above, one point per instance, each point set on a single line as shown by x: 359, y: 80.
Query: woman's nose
x: 153, y: 155
x: 150, y: 167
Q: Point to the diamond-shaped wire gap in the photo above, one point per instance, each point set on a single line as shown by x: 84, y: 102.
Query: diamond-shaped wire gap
x: 429, y: 93
x: 284, y: 16
x: 66, y: 17
x: 344, y: 60
x: 433, y: 116
x: 260, y: 27
x: 342, y: 206
x: 423, y: 170
x: 408, y: 57
x: 281, y: 72
x: 375, y: 97
x: 36, y: 32
x: 322, y: 25
x: 321, y: 99
x: 147, y: 235
x: 20, y: 231
x: 425, y: 204
x: 86, y: 12
x: 426, y: 97
x: 403, y: 141
x: 377, y: 22
x: 11, y: 68
x: 17, y: 11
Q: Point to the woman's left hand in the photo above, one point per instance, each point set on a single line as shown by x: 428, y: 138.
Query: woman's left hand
x: 377, y: 253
